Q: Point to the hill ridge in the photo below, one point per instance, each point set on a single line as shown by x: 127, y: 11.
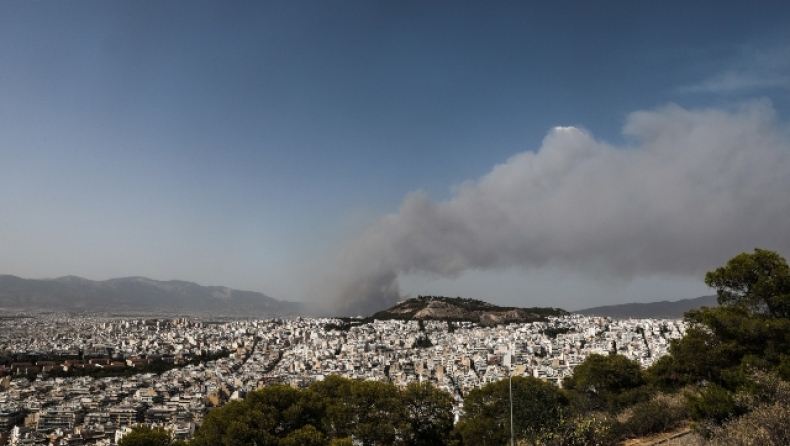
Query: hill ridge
x: 136, y: 293
x: 663, y: 309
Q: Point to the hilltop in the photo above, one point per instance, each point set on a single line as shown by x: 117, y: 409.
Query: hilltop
x: 463, y: 309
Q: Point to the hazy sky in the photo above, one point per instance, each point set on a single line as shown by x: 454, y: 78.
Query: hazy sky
x: 556, y: 153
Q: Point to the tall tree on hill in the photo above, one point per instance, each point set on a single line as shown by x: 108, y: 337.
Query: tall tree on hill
x: 758, y: 283
x: 750, y: 330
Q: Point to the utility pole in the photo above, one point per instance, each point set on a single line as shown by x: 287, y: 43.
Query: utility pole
x: 510, y: 378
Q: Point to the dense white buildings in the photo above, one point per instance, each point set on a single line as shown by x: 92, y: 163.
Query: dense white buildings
x: 296, y: 351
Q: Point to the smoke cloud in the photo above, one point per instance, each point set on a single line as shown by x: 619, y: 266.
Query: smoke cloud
x: 689, y: 190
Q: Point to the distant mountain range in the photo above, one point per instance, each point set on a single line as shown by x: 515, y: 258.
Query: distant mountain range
x: 463, y: 309
x: 663, y: 309
x: 143, y: 295
x: 136, y: 294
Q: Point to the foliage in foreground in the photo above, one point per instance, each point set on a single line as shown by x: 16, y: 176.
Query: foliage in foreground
x: 145, y: 436
x: 606, y: 383
x: 537, y: 406
x: 767, y: 421
x: 331, y: 412
x: 749, y: 332
x: 719, y: 365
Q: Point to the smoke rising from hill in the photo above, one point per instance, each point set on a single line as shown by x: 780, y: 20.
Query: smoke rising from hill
x: 689, y: 190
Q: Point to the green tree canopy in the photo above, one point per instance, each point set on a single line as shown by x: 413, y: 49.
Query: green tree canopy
x: 377, y: 413
x: 428, y: 413
x: 537, y: 406
x: 338, y: 418
x: 699, y: 356
x: 605, y: 383
x: 333, y: 411
x: 276, y: 415
x: 145, y: 436
x: 750, y: 329
x: 758, y: 282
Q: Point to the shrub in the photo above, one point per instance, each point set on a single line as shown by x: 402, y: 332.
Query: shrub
x: 768, y: 425
x: 661, y: 414
x: 595, y: 429
x: 713, y: 403
x: 765, y: 394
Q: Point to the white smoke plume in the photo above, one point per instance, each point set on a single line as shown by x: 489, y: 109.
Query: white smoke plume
x: 691, y: 189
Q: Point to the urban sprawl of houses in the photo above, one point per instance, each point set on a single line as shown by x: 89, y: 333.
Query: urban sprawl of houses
x: 41, y: 404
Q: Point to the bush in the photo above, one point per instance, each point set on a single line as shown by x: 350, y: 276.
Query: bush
x: 661, y: 414
x: 714, y: 404
x: 596, y: 429
x: 762, y: 390
x: 768, y: 425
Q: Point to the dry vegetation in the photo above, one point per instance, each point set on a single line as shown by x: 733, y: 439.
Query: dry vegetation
x: 768, y: 420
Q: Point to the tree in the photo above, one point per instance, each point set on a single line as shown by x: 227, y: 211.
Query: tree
x: 698, y: 357
x: 605, y: 383
x: 370, y: 412
x: 749, y: 331
x: 537, y: 406
x: 423, y: 341
x: 754, y: 296
x: 758, y: 282
x: 429, y: 414
x: 145, y: 436
x: 276, y: 415
x: 305, y: 436
x: 376, y: 412
x: 338, y: 418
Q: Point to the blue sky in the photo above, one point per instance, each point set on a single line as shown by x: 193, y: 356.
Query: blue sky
x: 258, y: 145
